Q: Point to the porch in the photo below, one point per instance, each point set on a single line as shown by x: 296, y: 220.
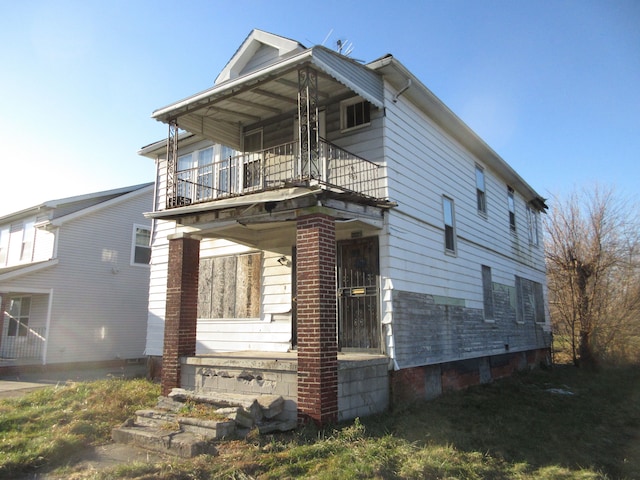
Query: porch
x: 363, y: 379
x: 216, y: 177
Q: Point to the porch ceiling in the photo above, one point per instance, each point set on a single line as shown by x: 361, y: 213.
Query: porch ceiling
x: 221, y: 112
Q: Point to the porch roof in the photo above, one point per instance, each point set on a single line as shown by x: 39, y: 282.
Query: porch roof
x: 219, y: 112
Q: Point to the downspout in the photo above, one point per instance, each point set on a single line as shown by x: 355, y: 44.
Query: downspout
x: 402, y: 90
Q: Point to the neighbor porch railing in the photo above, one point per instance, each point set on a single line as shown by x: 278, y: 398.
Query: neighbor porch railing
x: 277, y: 167
x: 27, y: 344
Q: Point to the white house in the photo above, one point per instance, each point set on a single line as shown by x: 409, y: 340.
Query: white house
x: 311, y: 204
x: 74, y: 279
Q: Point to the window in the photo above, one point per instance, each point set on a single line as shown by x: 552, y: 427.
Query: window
x: 4, y: 246
x: 532, y: 218
x: 195, y: 176
x: 19, y: 317
x: 449, y: 226
x: 141, y: 254
x: 530, y: 301
x: 480, y: 191
x: 355, y: 113
x: 512, y: 209
x: 229, y: 287
x: 487, y: 293
x: 28, y: 237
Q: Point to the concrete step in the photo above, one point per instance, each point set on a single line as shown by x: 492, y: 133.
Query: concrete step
x: 161, y: 439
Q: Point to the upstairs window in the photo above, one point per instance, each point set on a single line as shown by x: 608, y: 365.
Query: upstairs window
x: 355, y: 113
x: 512, y: 209
x: 28, y: 237
x: 532, y: 219
x: 141, y: 251
x: 480, y: 191
x: 449, y: 225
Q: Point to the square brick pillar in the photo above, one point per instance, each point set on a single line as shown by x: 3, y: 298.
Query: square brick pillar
x: 181, y: 309
x: 317, y: 319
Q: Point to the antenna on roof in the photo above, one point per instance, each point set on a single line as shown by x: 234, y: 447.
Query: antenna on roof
x: 327, y: 37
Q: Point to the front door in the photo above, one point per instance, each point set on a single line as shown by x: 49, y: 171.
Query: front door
x: 358, y: 298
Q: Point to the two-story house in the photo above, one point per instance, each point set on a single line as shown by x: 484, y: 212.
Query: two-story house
x: 330, y: 231
x: 74, y: 279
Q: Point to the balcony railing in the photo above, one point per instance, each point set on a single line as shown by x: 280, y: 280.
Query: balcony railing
x: 273, y: 168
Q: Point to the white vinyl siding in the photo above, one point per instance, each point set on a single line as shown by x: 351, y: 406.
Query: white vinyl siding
x: 99, y: 302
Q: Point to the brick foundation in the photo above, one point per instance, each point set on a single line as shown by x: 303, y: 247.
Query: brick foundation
x: 419, y: 383
x: 316, y: 314
x: 182, y: 308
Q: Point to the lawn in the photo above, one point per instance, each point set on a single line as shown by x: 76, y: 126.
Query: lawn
x: 559, y: 424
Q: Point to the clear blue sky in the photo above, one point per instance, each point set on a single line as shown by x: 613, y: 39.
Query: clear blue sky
x: 552, y: 86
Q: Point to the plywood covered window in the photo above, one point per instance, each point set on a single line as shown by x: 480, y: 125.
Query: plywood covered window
x: 530, y: 300
x: 229, y: 287
x: 449, y: 225
x: 487, y: 292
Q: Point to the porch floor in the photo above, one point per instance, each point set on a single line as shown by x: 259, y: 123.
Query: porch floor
x: 284, y: 358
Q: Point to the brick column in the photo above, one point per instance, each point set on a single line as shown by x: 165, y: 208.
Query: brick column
x: 181, y: 309
x: 317, y: 322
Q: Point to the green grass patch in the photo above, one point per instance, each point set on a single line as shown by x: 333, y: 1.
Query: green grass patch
x: 557, y: 424
x: 47, y: 426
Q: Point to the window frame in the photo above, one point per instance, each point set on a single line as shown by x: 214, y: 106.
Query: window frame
x: 17, y: 326
x: 344, y: 116
x: 135, y: 245
x: 511, y: 206
x: 481, y: 191
x: 448, y: 210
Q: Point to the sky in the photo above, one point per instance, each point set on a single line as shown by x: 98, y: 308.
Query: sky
x: 552, y: 86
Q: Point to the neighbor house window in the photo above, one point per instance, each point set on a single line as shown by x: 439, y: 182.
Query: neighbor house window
x: 480, y: 190
x: 532, y: 218
x: 487, y: 293
x: 19, y: 316
x: 4, y: 246
x: 449, y: 225
x: 28, y: 237
x: 512, y: 209
x: 141, y: 254
x: 355, y: 113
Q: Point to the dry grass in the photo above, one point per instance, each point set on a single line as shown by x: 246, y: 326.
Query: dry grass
x: 559, y: 424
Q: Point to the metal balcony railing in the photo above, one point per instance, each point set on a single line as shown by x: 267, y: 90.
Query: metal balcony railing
x: 273, y: 168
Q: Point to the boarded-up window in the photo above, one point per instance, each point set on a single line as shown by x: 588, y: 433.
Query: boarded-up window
x: 530, y: 301
x: 487, y: 292
x: 229, y: 287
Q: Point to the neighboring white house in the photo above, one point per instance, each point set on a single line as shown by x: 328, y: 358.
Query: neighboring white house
x: 74, y: 279
x: 432, y: 253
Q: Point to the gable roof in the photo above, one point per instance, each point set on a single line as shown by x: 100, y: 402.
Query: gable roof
x: 66, y: 206
x: 257, y: 50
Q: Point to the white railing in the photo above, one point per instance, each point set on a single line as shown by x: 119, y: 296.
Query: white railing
x: 27, y: 343
x: 273, y: 168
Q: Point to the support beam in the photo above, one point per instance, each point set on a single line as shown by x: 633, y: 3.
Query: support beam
x: 172, y: 164
x: 181, y: 308
x: 308, y: 123
x: 317, y: 319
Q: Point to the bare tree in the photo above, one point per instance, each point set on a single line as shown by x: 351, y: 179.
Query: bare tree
x: 593, y: 275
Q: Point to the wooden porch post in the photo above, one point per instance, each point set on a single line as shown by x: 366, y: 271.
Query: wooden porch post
x: 316, y: 314
x: 181, y: 307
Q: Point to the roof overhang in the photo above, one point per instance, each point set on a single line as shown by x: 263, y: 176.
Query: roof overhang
x: 410, y: 86
x: 219, y: 113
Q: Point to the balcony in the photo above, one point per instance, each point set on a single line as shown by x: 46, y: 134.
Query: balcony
x: 278, y: 167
